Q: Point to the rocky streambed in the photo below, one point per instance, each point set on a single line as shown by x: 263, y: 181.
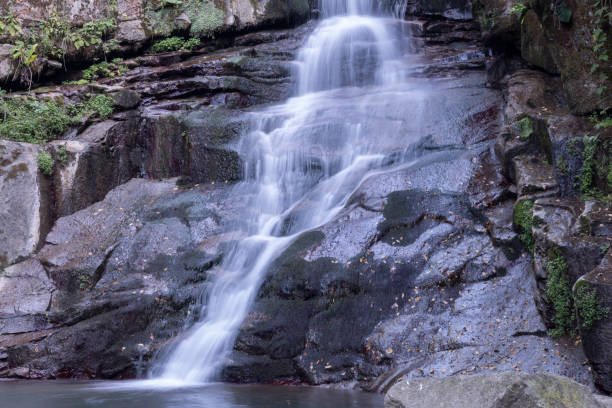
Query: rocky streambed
x: 438, y: 265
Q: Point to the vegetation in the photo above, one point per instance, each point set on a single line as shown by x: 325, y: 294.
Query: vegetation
x: 104, y: 69
x: 175, y: 44
x: 32, y: 121
x: 26, y: 119
x: 559, y: 295
x: 520, y: 9
x: 587, y: 305
x: 45, y: 162
x: 62, y: 156
x: 98, y: 105
x: 524, y: 128
x: 601, y: 13
x: 53, y: 37
x: 523, y: 221
x: 587, y: 172
x: 601, y: 120
x: 205, y: 18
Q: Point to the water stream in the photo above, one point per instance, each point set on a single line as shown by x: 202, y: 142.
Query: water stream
x: 303, y: 161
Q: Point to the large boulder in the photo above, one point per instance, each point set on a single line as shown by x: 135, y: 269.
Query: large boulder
x: 23, y: 201
x: 504, y: 390
x: 118, y: 281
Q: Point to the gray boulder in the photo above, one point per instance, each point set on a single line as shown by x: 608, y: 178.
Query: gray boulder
x: 505, y: 390
x: 22, y: 204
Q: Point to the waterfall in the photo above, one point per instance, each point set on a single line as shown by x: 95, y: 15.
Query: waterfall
x: 303, y: 162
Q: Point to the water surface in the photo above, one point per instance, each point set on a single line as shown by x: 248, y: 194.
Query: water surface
x: 58, y: 394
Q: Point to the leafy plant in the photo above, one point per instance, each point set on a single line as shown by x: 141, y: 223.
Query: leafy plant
x: 519, y: 9
x: 587, y: 305
x: 587, y: 172
x: 10, y: 25
x: 45, y: 162
x: 54, y: 36
x: 175, y: 44
x: 523, y: 221
x: 559, y: 294
x: 36, y: 121
x: 62, y: 156
x: 168, y: 44
x: 190, y: 44
x: 98, y: 105
x: 32, y: 121
x: 601, y: 13
x: 601, y: 120
x: 104, y: 70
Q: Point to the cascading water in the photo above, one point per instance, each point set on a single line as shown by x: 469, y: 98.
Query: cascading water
x: 303, y: 162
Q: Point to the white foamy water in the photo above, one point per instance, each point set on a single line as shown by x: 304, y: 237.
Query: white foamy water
x: 303, y: 162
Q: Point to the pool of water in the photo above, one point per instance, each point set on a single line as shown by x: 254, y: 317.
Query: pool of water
x: 58, y: 394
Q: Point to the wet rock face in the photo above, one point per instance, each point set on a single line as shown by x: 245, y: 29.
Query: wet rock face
x: 568, y: 236
x: 450, y: 9
x: 112, y: 284
x: 178, y: 115
x: 406, y: 282
x: 506, y: 390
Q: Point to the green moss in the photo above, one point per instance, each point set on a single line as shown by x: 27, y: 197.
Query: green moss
x: 205, y: 18
x: 98, y: 105
x: 161, y: 22
x: 587, y: 171
x: 45, y: 162
x: 587, y: 305
x: 523, y: 221
x: 524, y: 128
x: 559, y: 294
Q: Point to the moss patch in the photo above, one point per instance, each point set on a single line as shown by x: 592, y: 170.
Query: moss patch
x: 559, y: 295
x: 205, y: 18
x: 524, y: 128
x: 523, y: 222
x: 587, y: 172
x: 45, y: 162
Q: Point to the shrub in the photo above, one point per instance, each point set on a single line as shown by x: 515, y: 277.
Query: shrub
x: 168, y: 44
x: 190, y: 44
x: 45, y: 162
x: 32, y: 121
x: 104, y: 70
x: 98, y: 105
